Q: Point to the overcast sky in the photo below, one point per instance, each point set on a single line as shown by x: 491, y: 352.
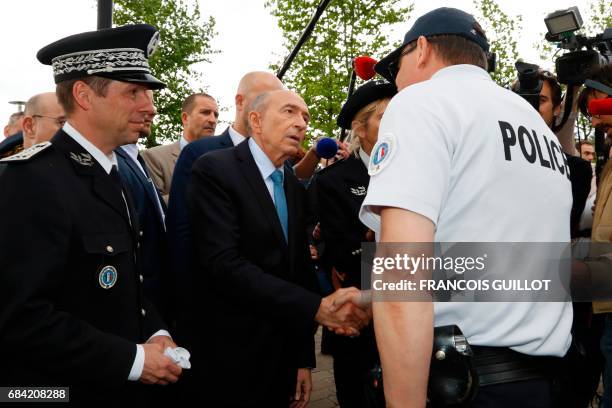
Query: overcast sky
x: 248, y: 38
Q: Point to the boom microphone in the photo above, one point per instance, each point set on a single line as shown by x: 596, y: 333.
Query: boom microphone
x: 600, y: 106
x: 327, y: 148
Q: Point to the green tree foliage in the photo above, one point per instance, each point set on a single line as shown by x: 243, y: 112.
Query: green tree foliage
x: 601, y: 17
x: 321, y: 71
x: 185, y: 40
x: 502, y: 31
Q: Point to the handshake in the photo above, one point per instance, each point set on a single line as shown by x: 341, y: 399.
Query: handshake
x: 345, y: 312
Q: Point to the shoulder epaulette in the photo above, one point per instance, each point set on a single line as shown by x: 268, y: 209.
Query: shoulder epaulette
x: 28, y: 153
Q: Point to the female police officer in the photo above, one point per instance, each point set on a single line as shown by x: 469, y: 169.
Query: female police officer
x: 340, y: 190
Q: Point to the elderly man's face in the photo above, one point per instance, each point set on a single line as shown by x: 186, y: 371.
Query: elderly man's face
x: 280, y: 128
x: 124, y: 113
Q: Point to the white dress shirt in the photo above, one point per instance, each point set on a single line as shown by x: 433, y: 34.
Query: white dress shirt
x: 182, y: 143
x: 365, y: 158
x: 265, y: 166
x: 236, y: 137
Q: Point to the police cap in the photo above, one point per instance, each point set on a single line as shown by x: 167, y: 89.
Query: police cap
x: 119, y: 53
x: 369, y: 92
x: 441, y: 21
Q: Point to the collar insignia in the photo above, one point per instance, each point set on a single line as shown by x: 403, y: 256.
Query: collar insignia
x: 359, y: 191
x: 84, y: 159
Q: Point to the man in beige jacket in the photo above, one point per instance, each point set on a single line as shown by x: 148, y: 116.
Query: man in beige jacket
x: 199, y: 116
x: 599, y: 261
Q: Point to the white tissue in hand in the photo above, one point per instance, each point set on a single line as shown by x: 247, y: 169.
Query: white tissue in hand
x: 179, y: 355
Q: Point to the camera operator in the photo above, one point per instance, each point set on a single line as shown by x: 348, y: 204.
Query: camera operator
x: 599, y: 86
x: 584, y: 366
x: 542, y: 90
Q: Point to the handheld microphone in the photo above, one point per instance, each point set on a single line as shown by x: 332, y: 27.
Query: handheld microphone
x: 327, y: 148
x: 600, y: 106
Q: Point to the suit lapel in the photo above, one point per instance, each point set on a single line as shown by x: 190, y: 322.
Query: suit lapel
x: 225, y: 139
x: 291, y: 186
x: 87, y: 167
x: 176, y: 150
x: 145, y: 181
x: 251, y: 172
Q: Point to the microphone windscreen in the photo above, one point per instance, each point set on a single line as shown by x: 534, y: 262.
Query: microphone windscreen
x: 600, y: 106
x: 327, y: 148
x: 364, y: 67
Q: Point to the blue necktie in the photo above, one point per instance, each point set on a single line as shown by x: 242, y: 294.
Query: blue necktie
x: 280, y: 200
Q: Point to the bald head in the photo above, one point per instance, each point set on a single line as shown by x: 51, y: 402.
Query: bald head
x: 251, y: 85
x: 43, y: 118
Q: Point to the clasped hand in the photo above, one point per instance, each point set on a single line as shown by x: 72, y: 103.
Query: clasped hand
x: 345, y: 312
x: 159, y: 368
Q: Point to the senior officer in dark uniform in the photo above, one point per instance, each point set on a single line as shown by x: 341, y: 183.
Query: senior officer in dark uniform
x: 72, y: 311
x: 340, y: 190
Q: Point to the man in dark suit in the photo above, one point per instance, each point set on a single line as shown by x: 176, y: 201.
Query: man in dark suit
x: 253, y: 265
x: 72, y: 312
x: 151, y: 212
x: 177, y: 222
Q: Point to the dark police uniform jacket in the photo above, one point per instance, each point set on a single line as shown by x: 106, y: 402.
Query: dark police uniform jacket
x: 340, y: 190
x: 58, y: 324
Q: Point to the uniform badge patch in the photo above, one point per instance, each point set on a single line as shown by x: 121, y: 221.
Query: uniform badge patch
x: 359, y: 191
x: 27, y: 153
x: 84, y: 159
x: 107, y: 277
x: 382, y: 153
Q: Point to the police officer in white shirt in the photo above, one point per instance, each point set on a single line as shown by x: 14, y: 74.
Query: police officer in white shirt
x: 454, y: 163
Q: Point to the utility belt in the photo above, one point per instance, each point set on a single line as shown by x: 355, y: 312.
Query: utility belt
x: 457, y: 369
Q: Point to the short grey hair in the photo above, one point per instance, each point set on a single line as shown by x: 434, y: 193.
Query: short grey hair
x: 259, y: 104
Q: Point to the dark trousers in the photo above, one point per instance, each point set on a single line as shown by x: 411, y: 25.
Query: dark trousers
x: 353, y: 360
x: 584, y: 360
x: 350, y: 382
x: 524, y: 394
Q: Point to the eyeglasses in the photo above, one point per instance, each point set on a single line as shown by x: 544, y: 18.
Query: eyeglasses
x: 60, y: 121
x: 394, y: 66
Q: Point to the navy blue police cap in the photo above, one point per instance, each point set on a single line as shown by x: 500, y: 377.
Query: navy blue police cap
x: 441, y: 21
x: 120, y: 53
x: 369, y: 92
